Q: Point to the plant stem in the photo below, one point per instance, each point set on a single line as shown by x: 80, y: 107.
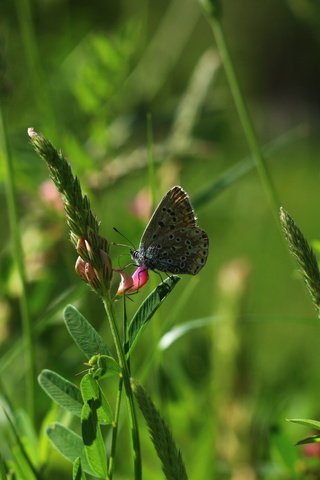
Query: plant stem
x: 152, y: 181
x: 127, y: 386
x: 243, y: 113
x: 19, y: 259
x: 115, y: 429
x: 118, y: 401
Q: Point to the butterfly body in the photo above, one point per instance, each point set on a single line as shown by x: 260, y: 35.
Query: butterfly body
x: 172, y: 241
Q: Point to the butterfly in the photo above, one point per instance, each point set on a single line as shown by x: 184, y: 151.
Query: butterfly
x: 172, y: 241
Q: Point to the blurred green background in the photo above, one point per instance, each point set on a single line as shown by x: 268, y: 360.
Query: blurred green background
x: 88, y: 75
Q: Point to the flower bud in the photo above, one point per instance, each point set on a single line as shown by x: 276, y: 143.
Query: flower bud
x: 81, y: 247
x: 94, y: 269
x: 86, y: 271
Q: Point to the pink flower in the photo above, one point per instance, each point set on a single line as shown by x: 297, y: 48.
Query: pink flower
x: 311, y: 449
x: 131, y: 284
x: 140, y: 277
x: 51, y: 196
x: 141, y: 206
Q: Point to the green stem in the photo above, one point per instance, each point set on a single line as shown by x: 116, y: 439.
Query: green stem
x: 19, y: 259
x: 115, y: 429
x: 243, y: 113
x: 127, y: 386
x: 118, y: 401
x: 151, y: 163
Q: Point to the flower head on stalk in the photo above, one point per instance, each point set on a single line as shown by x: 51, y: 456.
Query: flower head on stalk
x: 94, y: 263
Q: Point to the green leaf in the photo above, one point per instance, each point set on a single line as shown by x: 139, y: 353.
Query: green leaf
x: 312, y: 439
x: 147, y: 310
x: 305, y: 421
x: 77, y: 473
x: 83, y: 333
x: 61, y: 391
x: 69, y: 444
x: 91, y: 391
x: 92, y: 438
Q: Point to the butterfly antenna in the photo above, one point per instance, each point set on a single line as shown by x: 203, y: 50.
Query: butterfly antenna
x: 131, y: 245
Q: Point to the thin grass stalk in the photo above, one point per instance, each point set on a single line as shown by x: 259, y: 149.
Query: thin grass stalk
x: 19, y: 260
x: 127, y: 386
x: 24, y: 452
x: 33, y: 61
x: 152, y: 181
x: 115, y: 429
x: 151, y: 162
x: 214, y: 19
x: 180, y: 139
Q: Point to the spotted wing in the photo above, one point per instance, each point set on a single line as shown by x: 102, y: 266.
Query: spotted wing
x: 173, y: 212
x: 184, y: 250
x: 172, y: 241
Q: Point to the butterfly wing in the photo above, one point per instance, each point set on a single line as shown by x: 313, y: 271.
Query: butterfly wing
x: 172, y: 241
x: 173, y: 211
x: 184, y: 250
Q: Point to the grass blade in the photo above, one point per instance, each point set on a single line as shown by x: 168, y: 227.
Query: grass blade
x: 20, y: 450
x: 27, y: 328
x: 179, y: 331
x: 312, y: 439
x: 306, y: 422
x: 171, y: 459
x: 233, y: 174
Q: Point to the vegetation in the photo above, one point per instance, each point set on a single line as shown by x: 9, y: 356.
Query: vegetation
x: 188, y: 376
